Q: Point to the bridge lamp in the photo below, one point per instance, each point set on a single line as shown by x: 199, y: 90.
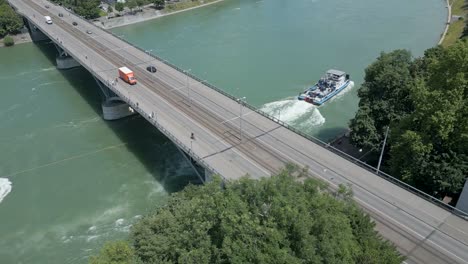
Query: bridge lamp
x: 188, y: 85
x: 241, y: 102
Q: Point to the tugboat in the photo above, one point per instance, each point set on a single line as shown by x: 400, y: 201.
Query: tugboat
x: 329, y: 85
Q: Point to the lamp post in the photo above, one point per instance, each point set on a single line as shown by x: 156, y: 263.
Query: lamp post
x: 188, y: 85
x: 383, y: 148
x: 241, y: 102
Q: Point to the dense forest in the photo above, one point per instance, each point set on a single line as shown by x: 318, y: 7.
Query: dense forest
x: 271, y: 220
x: 424, y: 102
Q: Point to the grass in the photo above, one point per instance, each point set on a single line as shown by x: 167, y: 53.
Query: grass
x: 459, y: 8
x: 102, y: 13
x: 184, y: 5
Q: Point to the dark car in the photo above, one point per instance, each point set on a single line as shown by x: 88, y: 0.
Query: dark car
x: 47, y: 6
x: 74, y: 23
x: 151, y: 68
x: 60, y: 15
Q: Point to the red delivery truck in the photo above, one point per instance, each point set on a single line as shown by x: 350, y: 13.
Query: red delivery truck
x: 127, y: 75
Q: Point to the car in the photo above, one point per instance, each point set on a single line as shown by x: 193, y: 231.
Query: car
x: 89, y: 32
x: 60, y: 15
x: 74, y: 23
x: 47, y: 6
x: 151, y: 68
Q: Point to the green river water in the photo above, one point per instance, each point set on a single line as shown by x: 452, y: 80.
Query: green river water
x: 69, y: 181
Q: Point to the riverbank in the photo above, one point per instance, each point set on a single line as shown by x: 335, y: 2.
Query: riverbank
x: 456, y: 15
x: 20, y: 38
x: 148, y: 13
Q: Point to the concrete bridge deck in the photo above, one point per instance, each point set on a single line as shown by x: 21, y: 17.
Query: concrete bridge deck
x: 422, y: 231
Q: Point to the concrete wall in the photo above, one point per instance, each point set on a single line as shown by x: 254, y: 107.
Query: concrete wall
x: 113, y: 110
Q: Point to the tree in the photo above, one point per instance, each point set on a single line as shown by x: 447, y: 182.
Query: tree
x: 159, y: 4
x: 131, y: 4
x: 10, y: 22
x: 430, y: 145
x: 118, y: 252
x: 8, y: 41
x: 271, y: 220
x: 89, y: 9
x: 110, y: 9
x: 119, y: 6
x: 140, y: 3
x: 384, y: 98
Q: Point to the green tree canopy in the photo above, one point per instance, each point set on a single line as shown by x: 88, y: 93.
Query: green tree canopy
x: 89, y: 9
x: 384, y: 97
x: 271, y: 220
x: 117, y: 252
x: 159, y: 4
x: 424, y: 101
x: 119, y: 6
x: 10, y: 22
x: 430, y: 145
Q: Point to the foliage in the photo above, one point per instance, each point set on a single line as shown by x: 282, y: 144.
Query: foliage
x: 8, y: 41
x: 431, y: 144
x: 271, y: 220
x: 424, y: 101
x: 119, y: 6
x: 159, y: 4
x: 89, y: 9
x: 131, y: 4
x: 117, y: 252
x: 384, y: 98
x: 10, y: 22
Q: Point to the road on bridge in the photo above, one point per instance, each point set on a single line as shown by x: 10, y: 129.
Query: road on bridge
x: 180, y: 105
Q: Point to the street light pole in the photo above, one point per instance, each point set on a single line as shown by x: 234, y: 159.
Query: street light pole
x: 383, y: 148
x: 188, y: 85
x: 241, y: 105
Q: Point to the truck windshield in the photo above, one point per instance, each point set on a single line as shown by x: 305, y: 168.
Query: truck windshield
x: 131, y: 78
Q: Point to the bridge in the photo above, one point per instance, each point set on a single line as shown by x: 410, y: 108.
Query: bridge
x: 232, y: 138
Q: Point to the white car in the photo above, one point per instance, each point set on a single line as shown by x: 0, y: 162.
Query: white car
x: 48, y: 19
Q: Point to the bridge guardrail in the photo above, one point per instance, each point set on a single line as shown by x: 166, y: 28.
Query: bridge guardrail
x: 168, y: 134
x: 318, y: 141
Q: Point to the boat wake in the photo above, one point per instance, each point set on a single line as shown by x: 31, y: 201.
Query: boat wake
x: 5, y: 188
x: 296, y: 113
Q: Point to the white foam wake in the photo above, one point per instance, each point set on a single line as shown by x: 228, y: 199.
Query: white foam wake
x: 5, y: 188
x: 295, y: 112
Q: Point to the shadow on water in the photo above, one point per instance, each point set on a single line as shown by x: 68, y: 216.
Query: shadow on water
x: 156, y: 152
x: 329, y: 134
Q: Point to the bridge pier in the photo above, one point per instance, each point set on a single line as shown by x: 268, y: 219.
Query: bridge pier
x: 113, y: 107
x: 34, y: 32
x: 65, y: 61
x: 204, y: 174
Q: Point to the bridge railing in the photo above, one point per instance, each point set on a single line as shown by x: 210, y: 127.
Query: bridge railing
x: 168, y: 134
x: 318, y: 141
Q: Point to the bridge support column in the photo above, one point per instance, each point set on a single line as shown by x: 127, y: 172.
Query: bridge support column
x: 65, y: 61
x: 36, y: 34
x: 113, y: 107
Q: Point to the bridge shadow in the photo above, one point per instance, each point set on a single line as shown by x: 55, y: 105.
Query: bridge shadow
x: 329, y: 134
x: 154, y: 150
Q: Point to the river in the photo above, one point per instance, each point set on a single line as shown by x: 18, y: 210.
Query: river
x: 70, y: 181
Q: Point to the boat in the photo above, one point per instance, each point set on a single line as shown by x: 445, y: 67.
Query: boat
x: 332, y: 83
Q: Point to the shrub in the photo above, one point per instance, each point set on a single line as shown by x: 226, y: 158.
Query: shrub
x: 8, y: 41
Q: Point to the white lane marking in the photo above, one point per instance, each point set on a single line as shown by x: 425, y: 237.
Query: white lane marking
x: 411, y: 230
